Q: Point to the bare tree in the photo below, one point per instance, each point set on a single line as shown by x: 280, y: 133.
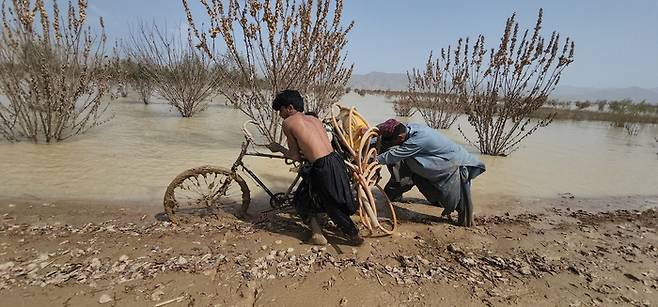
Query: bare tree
x: 434, y: 90
x: 272, y: 46
x: 54, y: 72
x: 502, y: 92
x: 178, y: 72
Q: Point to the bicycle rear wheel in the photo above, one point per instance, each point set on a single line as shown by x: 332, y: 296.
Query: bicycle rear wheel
x: 200, y: 190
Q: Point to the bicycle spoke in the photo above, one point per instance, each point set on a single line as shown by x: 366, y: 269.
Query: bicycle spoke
x: 192, y: 186
x: 206, y: 189
x: 217, y: 187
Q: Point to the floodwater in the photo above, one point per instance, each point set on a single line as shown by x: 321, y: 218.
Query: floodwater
x: 134, y: 156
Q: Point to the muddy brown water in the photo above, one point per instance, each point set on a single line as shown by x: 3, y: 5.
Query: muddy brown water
x: 133, y: 157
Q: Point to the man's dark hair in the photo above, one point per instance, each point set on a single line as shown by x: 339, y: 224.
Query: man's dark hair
x: 399, y: 129
x: 288, y: 98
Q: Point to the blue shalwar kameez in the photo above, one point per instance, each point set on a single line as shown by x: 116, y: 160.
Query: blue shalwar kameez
x: 441, y: 169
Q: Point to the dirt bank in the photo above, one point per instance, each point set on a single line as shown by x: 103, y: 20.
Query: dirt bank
x: 81, y: 255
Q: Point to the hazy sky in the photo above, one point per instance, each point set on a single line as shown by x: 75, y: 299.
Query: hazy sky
x: 616, y: 40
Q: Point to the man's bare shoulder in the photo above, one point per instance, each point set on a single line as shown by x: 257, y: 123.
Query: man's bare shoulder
x: 311, y: 120
x: 287, y: 122
x: 292, y: 123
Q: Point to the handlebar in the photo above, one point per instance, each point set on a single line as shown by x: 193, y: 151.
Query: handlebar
x: 248, y: 136
x: 250, y: 140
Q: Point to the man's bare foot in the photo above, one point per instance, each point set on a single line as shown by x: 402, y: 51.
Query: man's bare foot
x: 317, y: 239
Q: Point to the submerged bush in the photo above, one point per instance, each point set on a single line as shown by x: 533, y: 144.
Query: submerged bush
x: 503, y: 86
x: 184, y: 77
x: 54, y: 72
x: 434, y: 89
x: 403, y: 107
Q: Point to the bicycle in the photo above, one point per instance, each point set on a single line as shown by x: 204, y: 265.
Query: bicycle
x: 209, y: 187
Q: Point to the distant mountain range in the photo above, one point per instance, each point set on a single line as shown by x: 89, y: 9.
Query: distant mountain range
x: 398, y: 82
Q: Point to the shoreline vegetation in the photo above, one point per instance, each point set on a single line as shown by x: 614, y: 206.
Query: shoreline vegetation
x: 614, y: 111
x: 590, y: 115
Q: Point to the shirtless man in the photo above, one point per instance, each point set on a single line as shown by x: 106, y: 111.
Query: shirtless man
x: 325, y: 185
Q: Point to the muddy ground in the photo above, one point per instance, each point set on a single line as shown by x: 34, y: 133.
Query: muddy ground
x: 64, y: 254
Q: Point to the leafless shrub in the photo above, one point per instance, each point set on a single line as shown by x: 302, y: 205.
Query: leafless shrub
x: 272, y: 46
x: 624, y: 110
x: 553, y: 103
x: 403, y: 107
x: 136, y: 75
x: 434, y: 90
x: 581, y: 105
x: 118, y: 74
x: 53, y: 72
x: 501, y: 93
x: 118, y: 89
x: 142, y: 83
x: 180, y: 74
x: 632, y: 129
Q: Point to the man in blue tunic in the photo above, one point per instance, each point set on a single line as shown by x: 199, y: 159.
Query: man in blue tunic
x: 417, y: 155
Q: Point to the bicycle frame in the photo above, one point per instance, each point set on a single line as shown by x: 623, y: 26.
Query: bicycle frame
x: 277, y: 200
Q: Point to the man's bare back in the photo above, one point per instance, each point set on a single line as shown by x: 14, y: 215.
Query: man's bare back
x: 306, y: 134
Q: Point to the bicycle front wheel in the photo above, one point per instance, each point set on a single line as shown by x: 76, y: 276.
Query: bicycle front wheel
x: 201, y: 190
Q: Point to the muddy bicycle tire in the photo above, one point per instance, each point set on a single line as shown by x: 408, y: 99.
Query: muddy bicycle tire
x: 195, y: 181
